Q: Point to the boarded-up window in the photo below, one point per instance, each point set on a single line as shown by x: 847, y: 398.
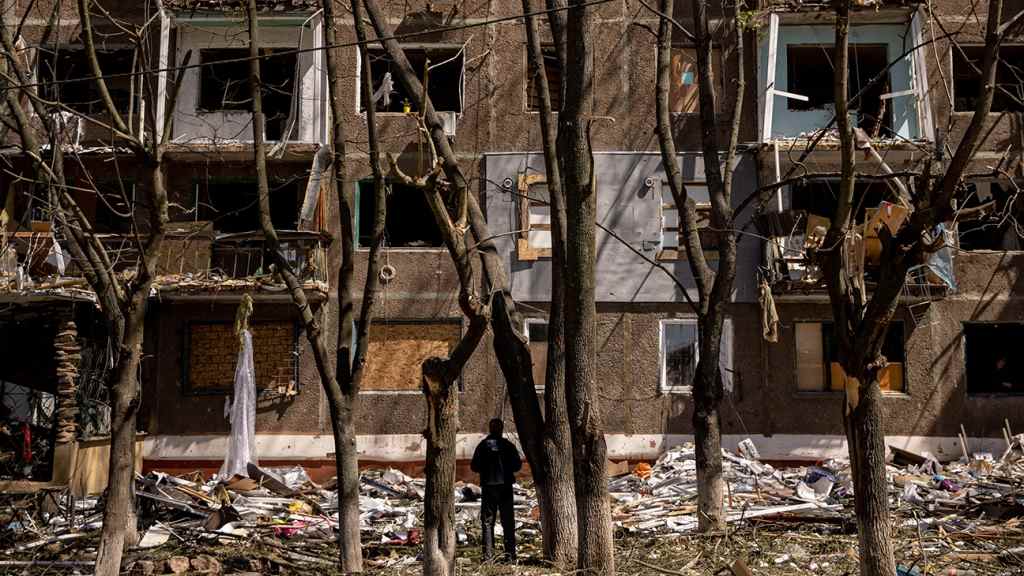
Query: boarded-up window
x: 537, y: 334
x: 816, y: 353
x: 397, y: 351
x: 534, y: 218
x: 684, y: 92
x: 672, y: 242
x: 212, y: 353
x: 553, y: 72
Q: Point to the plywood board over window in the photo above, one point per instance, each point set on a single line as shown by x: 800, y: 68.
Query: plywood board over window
x: 534, y: 240
x: 211, y: 350
x: 397, y: 351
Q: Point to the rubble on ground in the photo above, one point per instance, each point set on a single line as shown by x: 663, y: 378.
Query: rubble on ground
x: 965, y: 515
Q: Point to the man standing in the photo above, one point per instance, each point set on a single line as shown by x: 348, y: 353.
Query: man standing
x: 496, y: 460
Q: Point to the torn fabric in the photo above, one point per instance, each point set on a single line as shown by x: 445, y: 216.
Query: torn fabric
x: 242, y: 414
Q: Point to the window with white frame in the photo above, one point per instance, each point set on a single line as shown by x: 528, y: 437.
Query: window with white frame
x: 794, y: 58
x: 215, y: 102
x: 679, y: 354
x: 672, y: 243
x: 537, y: 337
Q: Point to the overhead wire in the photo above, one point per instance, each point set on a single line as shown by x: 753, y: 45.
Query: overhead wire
x: 367, y: 42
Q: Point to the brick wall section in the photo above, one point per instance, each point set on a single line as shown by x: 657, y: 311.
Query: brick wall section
x: 213, y: 354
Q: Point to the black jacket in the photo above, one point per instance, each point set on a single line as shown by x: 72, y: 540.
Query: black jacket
x: 496, y: 460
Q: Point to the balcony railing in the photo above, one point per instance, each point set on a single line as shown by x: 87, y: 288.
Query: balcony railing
x: 31, y: 259
x: 245, y: 254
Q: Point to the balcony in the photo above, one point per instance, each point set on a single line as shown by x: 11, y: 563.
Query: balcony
x: 193, y: 262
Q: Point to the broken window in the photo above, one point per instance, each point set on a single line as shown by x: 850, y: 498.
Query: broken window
x: 396, y: 352
x: 672, y: 241
x: 224, y: 84
x: 553, y: 72
x: 989, y: 218
x: 537, y: 336
x: 233, y: 204
x: 211, y: 356
x: 409, y: 223
x: 992, y: 356
x: 820, y: 197
x: 444, y: 81
x: 679, y: 354
x: 817, y: 368
x: 66, y: 76
x: 810, y: 75
x: 114, y: 202
x: 684, y: 90
x: 534, y: 218
x: 796, y: 73
x: 1009, y: 94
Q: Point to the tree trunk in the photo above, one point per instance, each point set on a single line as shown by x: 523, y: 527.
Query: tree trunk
x: 544, y: 438
x: 438, y: 502
x: 553, y: 476
x: 593, y: 512
x: 545, y: 444
x: 866, y: 438
x: 707, y: 395
x: 119, y: 522
x: 346, y: 462
x: 333, y: 373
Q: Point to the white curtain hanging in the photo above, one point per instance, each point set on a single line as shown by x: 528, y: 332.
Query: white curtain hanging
x: 241, y: 412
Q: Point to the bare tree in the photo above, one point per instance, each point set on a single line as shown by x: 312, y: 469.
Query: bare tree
x: 862, y: 319
x: 558, y: 500
x: 596, y: 552
x: 543, y: 435
x: 714, y: 287
x: 341, y: 373
x: 122, y: 298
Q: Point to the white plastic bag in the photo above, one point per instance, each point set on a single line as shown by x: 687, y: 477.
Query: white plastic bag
x: 242, y: 414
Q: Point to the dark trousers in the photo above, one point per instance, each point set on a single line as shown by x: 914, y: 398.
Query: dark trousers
x: 495, y: 499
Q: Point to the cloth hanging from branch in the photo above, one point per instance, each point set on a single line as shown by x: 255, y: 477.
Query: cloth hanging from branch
x: 240, y: 410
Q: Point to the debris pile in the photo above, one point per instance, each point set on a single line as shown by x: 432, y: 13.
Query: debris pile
x: 964, y: 515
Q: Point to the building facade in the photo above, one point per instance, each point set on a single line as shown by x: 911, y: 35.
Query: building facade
x: 960, y: 316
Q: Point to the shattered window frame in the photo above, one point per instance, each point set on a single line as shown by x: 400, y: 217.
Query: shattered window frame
x: 82, y: 83
x: 448, y: 55
x: 1000, y: 223
x: 961, y: 76
x: 365, y: 199
x: 691, y: 324
x: 973, y: 354
x: 553, y: 72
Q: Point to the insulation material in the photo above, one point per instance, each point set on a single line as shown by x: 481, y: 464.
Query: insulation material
x: 241, y: 411
x: 725, y: 359
x: 396, y: 352
x: 769, y: 315
x: 941, y: 261
x: 307, y: 214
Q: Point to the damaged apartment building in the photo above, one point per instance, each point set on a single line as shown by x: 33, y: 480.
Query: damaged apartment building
x: 950, y: 350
